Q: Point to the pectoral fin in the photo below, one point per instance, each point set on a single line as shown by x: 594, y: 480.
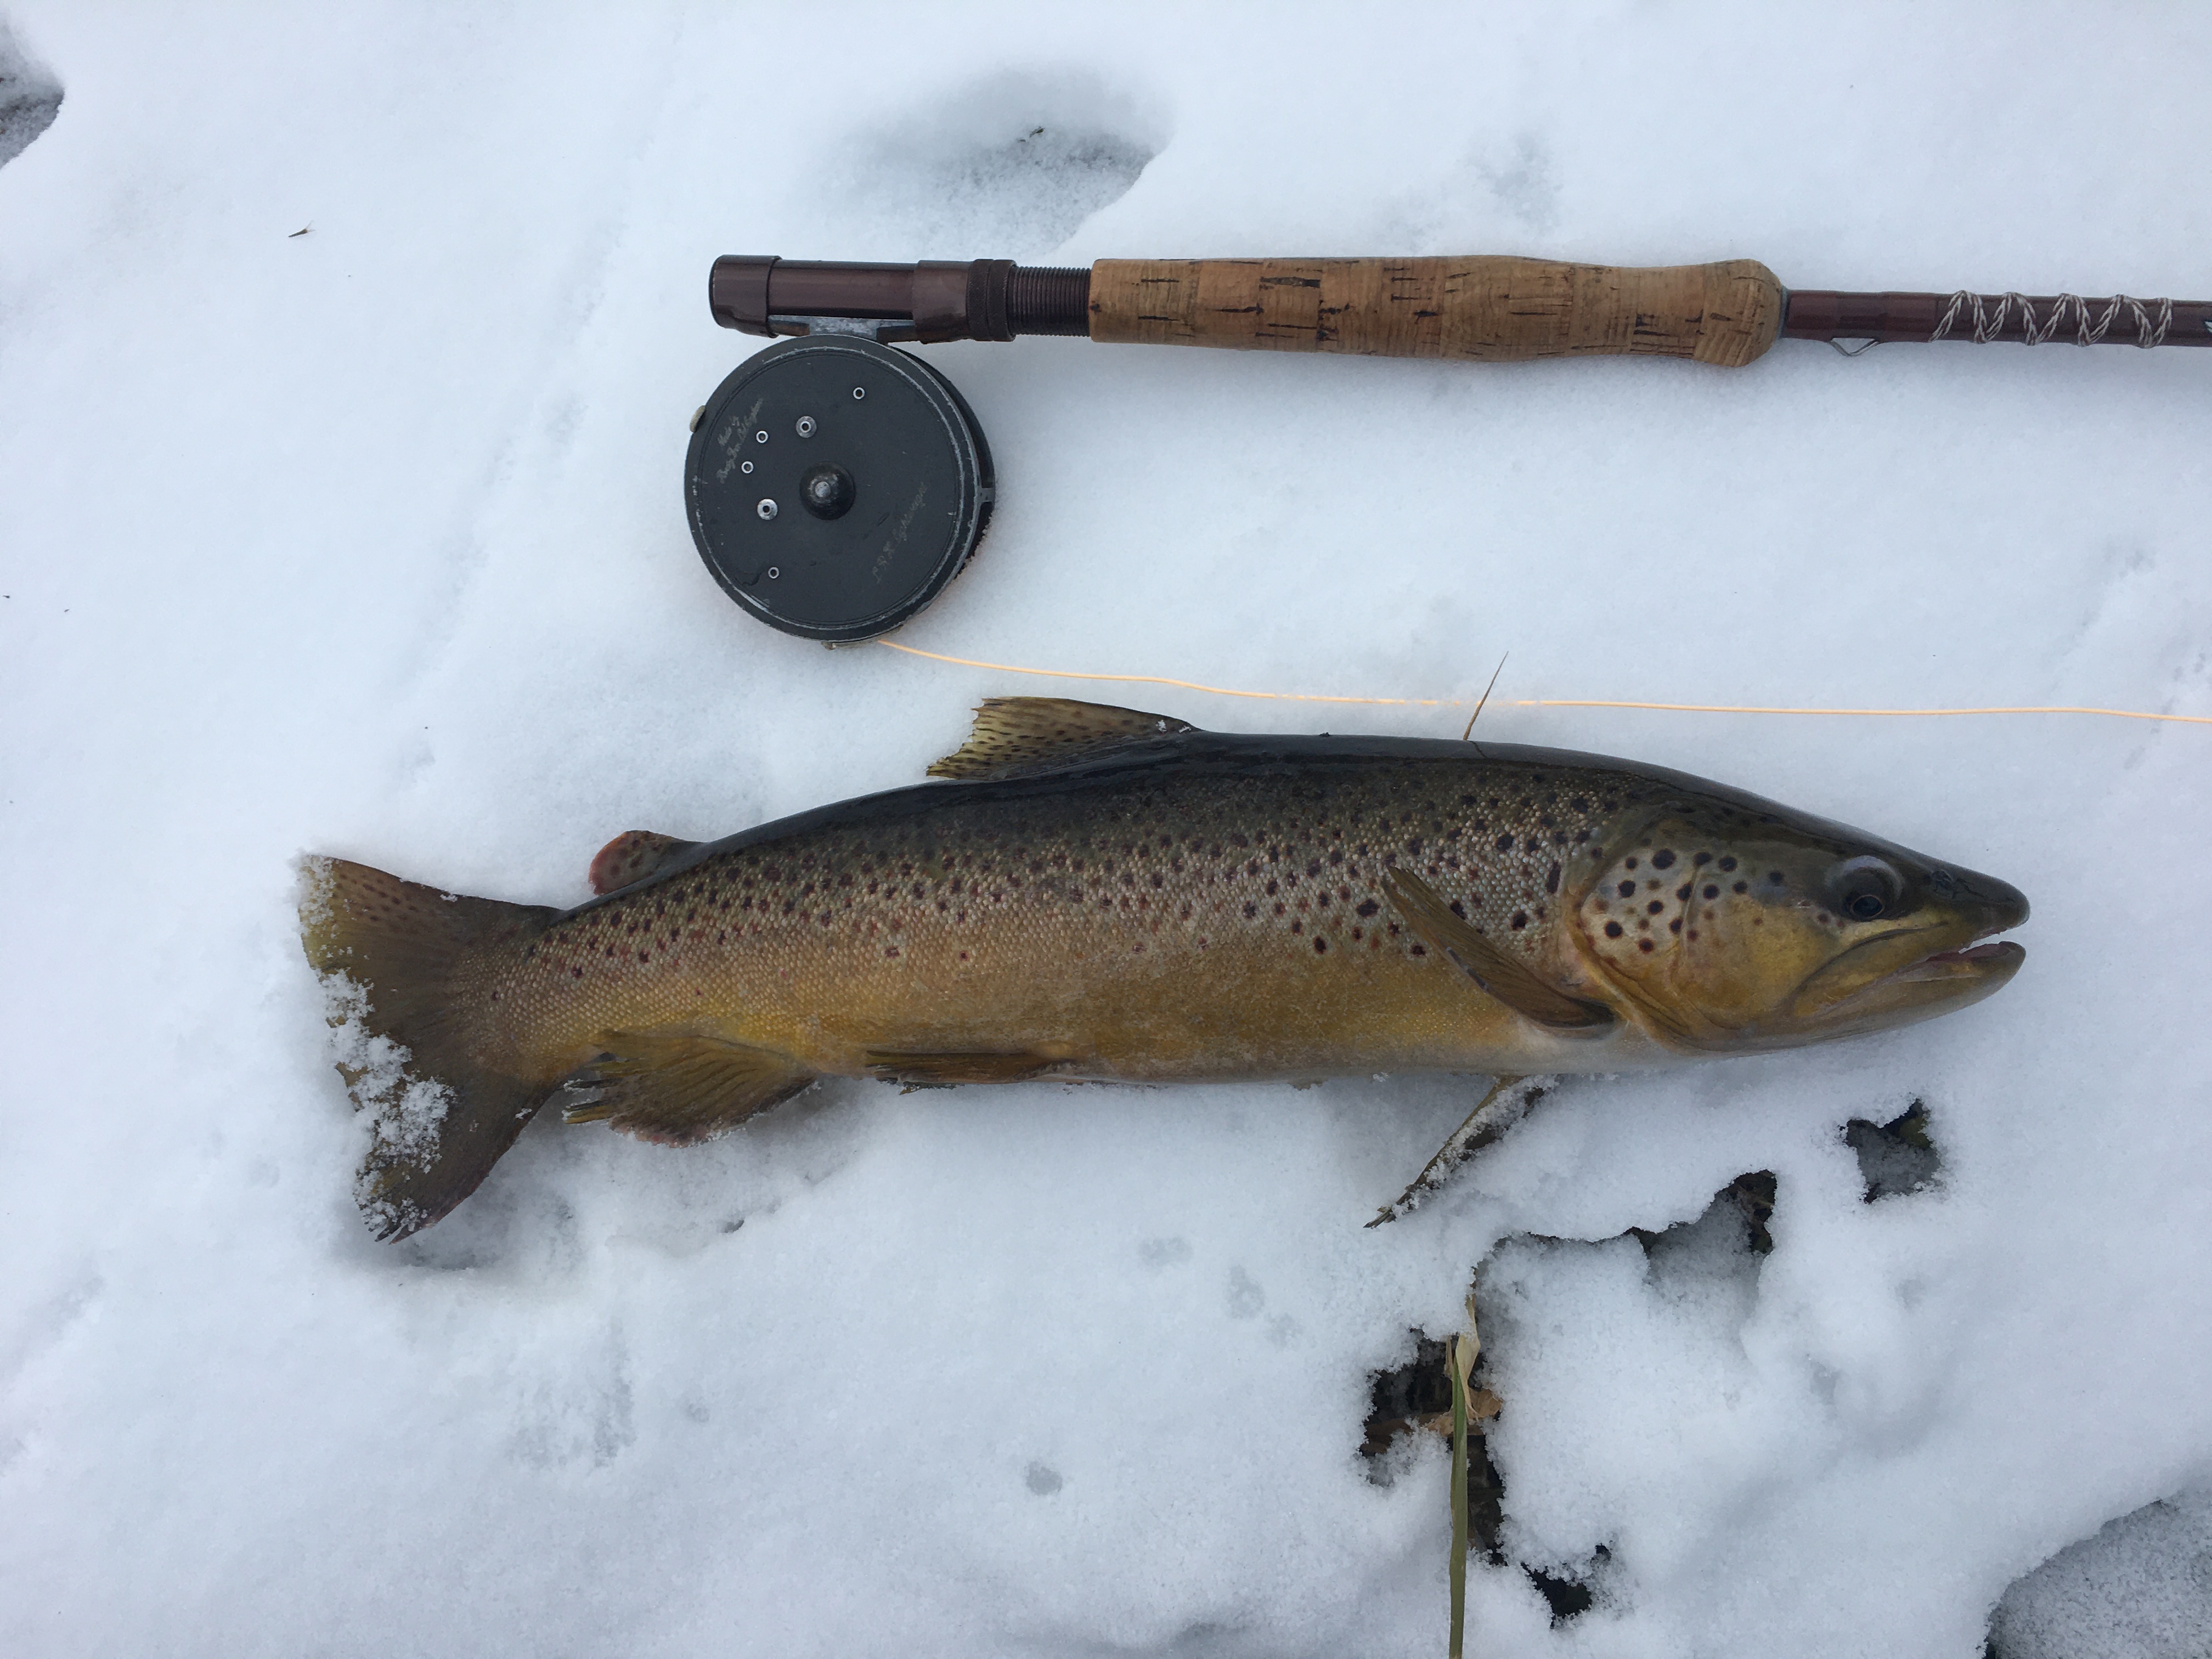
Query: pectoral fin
x: 1499, y: 1111
x: 1511, y: 982
x: 1015, y: 735
x: 632, y: 856
x: 676, y: 1089
x: 942, y: 1070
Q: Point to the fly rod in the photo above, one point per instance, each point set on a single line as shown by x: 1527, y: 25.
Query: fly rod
x: 835, y: 486
x: 1489, y: 309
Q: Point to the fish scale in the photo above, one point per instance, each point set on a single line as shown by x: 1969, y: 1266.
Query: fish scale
x: 1159, y: 885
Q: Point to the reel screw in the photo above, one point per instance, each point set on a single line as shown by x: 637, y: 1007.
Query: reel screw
x: 805, y: 426
x: 773, y: 572
x: 761, y: 436
x: 766, y: 509
x: 744, y: 466
x: 827, y: 492
x: 860, y: 392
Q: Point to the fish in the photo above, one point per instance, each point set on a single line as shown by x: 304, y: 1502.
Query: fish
x: 1103, y: 895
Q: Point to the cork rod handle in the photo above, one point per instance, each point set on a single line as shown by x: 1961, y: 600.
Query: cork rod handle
x: 1486, y: 308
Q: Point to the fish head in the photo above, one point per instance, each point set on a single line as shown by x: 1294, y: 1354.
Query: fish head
x: 1730, y: 924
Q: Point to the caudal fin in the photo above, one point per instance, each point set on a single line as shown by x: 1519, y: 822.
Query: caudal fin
x: 399, y: 960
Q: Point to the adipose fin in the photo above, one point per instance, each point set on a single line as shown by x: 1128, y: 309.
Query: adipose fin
x: 632, y: 856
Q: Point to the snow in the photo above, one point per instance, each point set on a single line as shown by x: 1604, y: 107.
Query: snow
x: 367, y: 542
x: 2143, y: 1586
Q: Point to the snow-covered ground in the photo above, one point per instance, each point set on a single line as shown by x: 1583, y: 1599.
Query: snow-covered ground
x: 368, y: 541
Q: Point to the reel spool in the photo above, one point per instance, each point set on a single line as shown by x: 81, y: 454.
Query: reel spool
x: 835, y: 486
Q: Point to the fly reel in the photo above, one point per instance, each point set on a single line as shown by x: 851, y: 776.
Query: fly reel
x: 835, y: 486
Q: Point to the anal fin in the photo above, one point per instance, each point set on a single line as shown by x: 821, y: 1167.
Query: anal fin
x: 942, y: 1070
x: 676, y: 1088
x: 1013, y: 735
x: 632, y: 856
x: 1511, y: 982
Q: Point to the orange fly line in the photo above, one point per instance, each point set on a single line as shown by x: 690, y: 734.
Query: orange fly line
x: 1538, y: 702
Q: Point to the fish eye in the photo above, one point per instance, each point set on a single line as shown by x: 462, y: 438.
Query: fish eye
x: 1866, y: 889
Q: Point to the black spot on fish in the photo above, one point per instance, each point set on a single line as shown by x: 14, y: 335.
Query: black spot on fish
x: 1505, y: 843
x: 1612, y: 930
x: 1740, y: 887
x: 1519, y: 919
x: 1662, y: 859
x: 1644, y: 945
x: 1369, y: 907
x: 1774, y: 877
x: 1627, y: 889
x: 1728, y: 863
x: 1321, y: 945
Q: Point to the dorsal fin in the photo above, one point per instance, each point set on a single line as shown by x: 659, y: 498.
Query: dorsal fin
x: 632, y: 856
x: 1014, y: 735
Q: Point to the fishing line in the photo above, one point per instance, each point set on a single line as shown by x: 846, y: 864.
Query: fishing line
x: 1542, y: 702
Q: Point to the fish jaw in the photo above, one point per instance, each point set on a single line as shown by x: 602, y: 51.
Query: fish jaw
x: 1929, y: 984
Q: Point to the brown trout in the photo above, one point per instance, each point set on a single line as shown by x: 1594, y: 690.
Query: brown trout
x: 1105, y: 894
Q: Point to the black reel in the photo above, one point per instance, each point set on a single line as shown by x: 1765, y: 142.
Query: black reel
x: 835, y: 486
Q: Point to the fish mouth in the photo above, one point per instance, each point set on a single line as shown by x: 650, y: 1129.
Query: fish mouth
x: 1922, y: 986
x: 1967, y: 965
x: 1998, y: 951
